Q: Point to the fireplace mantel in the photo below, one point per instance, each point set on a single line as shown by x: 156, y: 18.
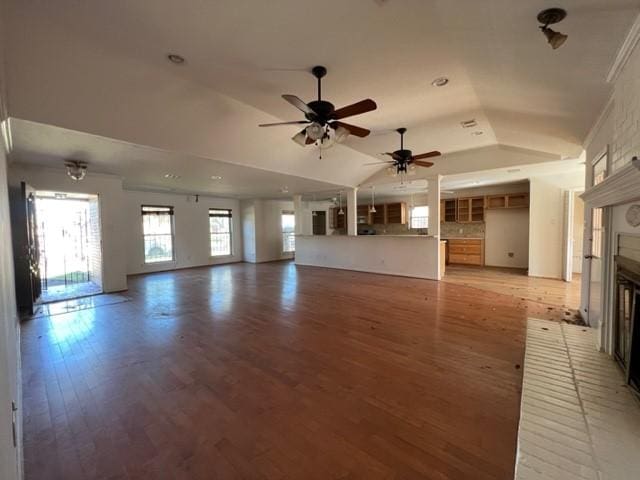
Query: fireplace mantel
x: 620, y: 188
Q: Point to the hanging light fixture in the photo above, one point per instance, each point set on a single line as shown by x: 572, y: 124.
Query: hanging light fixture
x: 76, y: 169
x: 372, y: 208
x: 341, y: 211
x: 549, y: 17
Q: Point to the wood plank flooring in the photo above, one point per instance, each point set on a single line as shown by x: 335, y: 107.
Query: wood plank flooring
x: 274, y: 371
x: 546, y: 298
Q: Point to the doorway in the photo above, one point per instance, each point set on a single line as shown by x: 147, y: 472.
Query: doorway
x: 319, y: 222
x: 69, y: 243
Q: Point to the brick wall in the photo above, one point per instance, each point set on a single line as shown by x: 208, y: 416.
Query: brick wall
x: 626, y: 113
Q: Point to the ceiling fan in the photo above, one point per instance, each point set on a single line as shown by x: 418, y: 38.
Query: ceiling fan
x: 324, y: 127
x: 404, y: 160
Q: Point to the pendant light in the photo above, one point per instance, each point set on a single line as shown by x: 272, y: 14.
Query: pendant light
x: 372, y: 208
x: 341, y: 211
x: 549, y: 17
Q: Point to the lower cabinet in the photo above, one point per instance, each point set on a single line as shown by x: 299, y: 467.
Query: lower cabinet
x: 466, y: 251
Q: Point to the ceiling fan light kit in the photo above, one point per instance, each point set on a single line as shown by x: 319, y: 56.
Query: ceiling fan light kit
x: 404, y: 161
x: 324, y: 127
x: 549, y: 17
x: 76, y: 170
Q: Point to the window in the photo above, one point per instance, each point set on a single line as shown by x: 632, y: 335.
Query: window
x: 288, y: 229
x: 157, y: 230
x: 420, y: 217
x: 220, y: 232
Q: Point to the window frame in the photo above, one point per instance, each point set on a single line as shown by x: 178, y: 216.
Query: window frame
x: 229, y: 216
x: 288, y: 234
x: 171, y: 213
x: 411, y: 217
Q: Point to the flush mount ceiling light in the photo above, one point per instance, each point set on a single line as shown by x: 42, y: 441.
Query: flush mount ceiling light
x: 215, y: 177
x: 175, y: 58
x: 76, y: 169
x: 440, y: 82
x: 549, y: 17
x: 172, y: 176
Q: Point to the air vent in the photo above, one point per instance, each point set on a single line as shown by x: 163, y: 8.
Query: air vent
x: 469, y: 123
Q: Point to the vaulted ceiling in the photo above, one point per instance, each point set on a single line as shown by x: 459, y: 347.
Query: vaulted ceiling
x: 101, y: 68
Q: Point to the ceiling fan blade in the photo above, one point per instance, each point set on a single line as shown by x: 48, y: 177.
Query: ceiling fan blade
x: 392, y: 155
x: 353, y: 130
x: 299, y: 104
x: 297, y: 122
x: 362, y: 106
x: 435, y: 153
x: 422, y: 164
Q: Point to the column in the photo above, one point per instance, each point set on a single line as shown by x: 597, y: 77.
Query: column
x: 433, y: 198
x: 352, y: 211
x: 299, y: 214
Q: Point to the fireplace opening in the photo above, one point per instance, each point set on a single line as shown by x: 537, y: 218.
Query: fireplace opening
x: 627, y: 319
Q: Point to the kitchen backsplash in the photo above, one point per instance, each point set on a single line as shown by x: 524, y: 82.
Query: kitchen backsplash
x: 451, y: 229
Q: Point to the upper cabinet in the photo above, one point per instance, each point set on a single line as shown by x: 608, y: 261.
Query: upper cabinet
x: 448, y: 210
x: 471, y: 209
x: 509, y: 200
x: 364, y: 217
x: 397, y: 213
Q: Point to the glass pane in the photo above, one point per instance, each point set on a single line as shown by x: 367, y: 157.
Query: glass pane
x: 420, y: 217
x: 288, y: 242
x: 288, y: 222
x: 156, y: 224
x: 158, y: 248
x: 219, y: 225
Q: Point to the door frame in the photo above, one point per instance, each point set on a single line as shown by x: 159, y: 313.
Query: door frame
x: 568, y: 232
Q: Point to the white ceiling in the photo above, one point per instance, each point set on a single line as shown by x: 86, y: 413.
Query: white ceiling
x: 99, y: 67
x: 145, y: 167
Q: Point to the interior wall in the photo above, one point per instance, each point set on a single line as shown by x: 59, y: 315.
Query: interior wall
x: 262, y: 227
x: 112, y: 213
x: 507, y: 238
x: 546, y: 221
x: 191, y: 230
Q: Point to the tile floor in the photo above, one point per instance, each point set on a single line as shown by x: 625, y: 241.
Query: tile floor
x: 578, y: 418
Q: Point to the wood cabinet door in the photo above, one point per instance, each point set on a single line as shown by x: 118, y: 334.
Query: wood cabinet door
x: 380, y: 216
x: 397, y: 213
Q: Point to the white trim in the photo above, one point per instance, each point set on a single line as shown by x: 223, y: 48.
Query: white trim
x: 595, y: 128
x: 625, y: 51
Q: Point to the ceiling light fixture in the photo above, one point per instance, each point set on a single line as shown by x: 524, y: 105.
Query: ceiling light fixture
x: 172, y: 176
x: 372, y: 208
x: 76, y: 169
x: 175, y: 58
x: 341, y: 211
x: 215, y: 177
x: 440, y: 82
x: 549, y: 17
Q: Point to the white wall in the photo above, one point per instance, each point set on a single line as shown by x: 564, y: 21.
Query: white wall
x: 262, y: 227
x: 407, y: 256
x: 191, y: 230
x: 112, y: 213
x: 507, y: 231
x: 546, y: 220
x: 9, y: 336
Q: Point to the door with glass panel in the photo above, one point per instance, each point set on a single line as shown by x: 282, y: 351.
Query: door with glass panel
x: 594, y: 253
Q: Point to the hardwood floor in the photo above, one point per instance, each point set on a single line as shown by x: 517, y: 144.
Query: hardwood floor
x: 545, y: 298
x: 275, y: 371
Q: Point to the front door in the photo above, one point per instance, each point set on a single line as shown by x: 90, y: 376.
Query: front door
x: 25, y: 244
x: 594, y: 252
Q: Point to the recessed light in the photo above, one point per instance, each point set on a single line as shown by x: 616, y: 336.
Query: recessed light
x: 215, y: 177
x: 477, y: 133
x: 171, y: 176
x: 469, y: 123
x: 175, y: 58
x: 440, y: 82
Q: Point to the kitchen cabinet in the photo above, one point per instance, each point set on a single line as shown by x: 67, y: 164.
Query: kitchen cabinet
x: 380, y: 215
x: 364, y: 217
x: 448, y: 210
x: 509, y: 200
x: 338, y: 221
x: 471, y: 209
x: 466, y: 251
x: 396, y: 213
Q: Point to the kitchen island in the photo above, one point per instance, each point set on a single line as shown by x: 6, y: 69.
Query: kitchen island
x: 405, y: 255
